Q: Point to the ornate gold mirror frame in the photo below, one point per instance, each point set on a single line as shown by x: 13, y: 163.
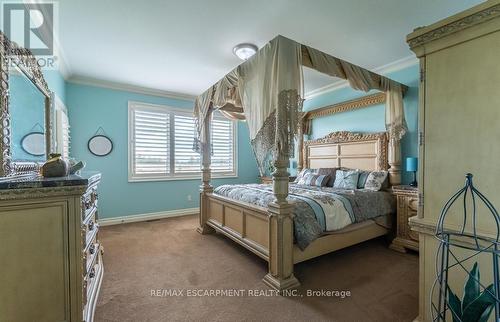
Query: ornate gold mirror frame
x: 11, y: 53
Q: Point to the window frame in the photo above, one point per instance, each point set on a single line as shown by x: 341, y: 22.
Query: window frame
x: 172, y: 176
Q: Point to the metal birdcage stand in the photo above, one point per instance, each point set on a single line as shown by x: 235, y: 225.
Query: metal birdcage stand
x: 453, y: 244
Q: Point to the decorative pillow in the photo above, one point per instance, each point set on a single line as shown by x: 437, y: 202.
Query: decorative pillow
x: 375, y: 180
x: 346, y: 179
x: 313, y: 179
x: 330, y: 172
x: 302, y: 174
x: 363, y: 175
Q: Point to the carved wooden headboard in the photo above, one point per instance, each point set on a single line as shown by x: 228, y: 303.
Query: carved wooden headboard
x: 348, y: 149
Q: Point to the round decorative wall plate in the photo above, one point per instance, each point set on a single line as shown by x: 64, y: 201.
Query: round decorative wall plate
x: 100, y: 145
x: 34, y: 143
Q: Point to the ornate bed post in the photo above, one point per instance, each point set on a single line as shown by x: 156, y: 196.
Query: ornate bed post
x: 394, y: 157
x: 280, y: 276
x: 205, y: 187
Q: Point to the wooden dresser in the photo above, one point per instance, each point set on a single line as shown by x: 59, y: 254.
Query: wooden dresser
x: 51, y: 256
x: 407, y: 206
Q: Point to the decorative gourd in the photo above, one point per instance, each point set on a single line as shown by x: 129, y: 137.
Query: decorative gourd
x: 55, y: 166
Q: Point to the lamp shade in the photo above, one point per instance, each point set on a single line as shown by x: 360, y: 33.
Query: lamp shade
x: 411, y: 164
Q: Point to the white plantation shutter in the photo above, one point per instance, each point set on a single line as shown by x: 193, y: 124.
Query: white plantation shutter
x: 222, y: 145
x: 62, y: 130
x: 150, y: 142
x: 186, y: 160
x: 161, y: 144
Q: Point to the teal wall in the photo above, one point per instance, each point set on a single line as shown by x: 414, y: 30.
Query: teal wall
x: 56, y: 83
x: 371, y: 119
x: 90, y: 107
x: 27, y: 112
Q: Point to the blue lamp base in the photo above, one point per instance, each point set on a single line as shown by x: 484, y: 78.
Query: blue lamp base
x: 414, y: 182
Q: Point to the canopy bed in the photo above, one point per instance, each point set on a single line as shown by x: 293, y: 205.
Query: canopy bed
x: 266, y: 91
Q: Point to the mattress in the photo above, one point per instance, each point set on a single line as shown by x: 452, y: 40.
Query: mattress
x: 317, y: 210
x: 384, y: 221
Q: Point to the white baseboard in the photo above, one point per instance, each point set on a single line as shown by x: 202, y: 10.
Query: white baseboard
x: 148, y: 216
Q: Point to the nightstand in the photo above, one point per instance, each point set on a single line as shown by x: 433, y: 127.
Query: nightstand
x: 269, y: 180
x: 407, y: 205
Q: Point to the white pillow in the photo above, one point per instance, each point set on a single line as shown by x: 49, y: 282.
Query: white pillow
x: 302, y: 174
x: 346, y: 179
x: 375, y: 180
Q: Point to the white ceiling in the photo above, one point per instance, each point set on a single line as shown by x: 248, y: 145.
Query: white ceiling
x: 186, y: 46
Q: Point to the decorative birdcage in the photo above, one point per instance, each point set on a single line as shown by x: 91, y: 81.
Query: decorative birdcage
x: 458, y: 248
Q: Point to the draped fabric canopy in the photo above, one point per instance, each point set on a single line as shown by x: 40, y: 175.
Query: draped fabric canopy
x: 267, y: 92
x: 365, y: 80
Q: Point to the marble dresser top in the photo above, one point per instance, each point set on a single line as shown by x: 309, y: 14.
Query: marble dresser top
x: 37, y: 181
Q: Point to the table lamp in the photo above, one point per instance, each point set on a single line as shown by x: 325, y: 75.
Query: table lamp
x: 411, y: 166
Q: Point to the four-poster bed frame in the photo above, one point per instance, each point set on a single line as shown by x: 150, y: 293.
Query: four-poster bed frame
x: 268, y: 232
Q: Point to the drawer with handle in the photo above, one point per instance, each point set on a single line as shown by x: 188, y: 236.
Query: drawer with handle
x: 90, y: 258
x: 85, y: 291
x: 90, y: 281
x: 90, y: 254
x: 89, y: 202
x: 89, y: 229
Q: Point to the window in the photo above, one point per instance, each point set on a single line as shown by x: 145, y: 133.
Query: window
x: 186, y: 160
x: 161, y: 142
x: 223, y: 141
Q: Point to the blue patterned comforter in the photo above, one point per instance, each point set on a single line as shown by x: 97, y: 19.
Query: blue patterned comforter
x: 317, y: 210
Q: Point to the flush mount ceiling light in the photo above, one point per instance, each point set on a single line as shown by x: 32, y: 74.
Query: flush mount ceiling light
x: 245, y: 51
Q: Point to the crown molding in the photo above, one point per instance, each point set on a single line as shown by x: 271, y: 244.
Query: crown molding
x: 80, y: 80
x: 357, y: 103
x: 336, y: 85
x: 476, y: 15
x: 396, y: 65
x: 382, y: 70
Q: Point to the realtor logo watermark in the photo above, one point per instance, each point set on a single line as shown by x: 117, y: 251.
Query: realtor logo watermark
x: 32, y: 25
x: 198, y: 292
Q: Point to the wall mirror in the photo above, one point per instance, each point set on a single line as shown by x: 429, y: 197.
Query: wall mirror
x: 33, y: 144
x: 100, y: 145
x: 25, y: 119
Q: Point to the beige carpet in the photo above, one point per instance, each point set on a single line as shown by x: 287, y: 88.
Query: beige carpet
x: 170, y: 255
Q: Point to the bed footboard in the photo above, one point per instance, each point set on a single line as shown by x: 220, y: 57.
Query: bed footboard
x: 265, y: 232
x: 245, y: 224
x: 259, y: 229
